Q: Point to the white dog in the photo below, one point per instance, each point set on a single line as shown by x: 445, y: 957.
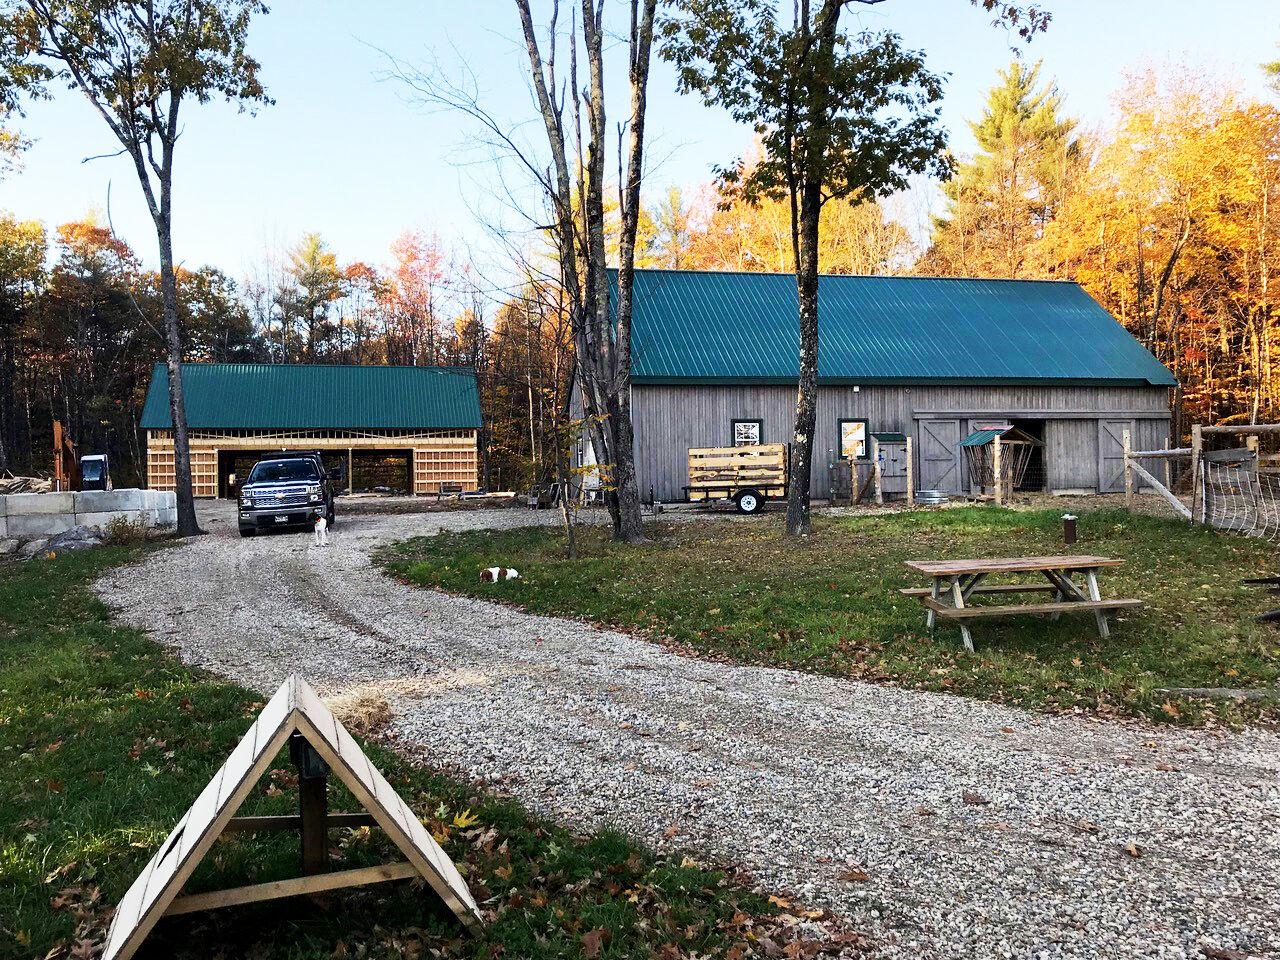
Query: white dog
x: 321, y: 536
x: 494, y: 574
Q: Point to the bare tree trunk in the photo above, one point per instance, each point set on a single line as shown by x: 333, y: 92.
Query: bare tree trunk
x: 799, y: 520
x: 187, y: 523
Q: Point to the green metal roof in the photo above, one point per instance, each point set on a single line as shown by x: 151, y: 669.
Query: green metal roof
x: 980, y: 438
x: 231, y: 396
x: 714, y: 327
x: 890, y: 437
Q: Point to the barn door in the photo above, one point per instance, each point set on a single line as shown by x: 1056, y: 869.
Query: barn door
x: 1111, y: 454
x: 940, y: 455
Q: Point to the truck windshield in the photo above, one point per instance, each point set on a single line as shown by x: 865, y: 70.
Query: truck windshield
x: 91, y: 469
x: 283, y: 471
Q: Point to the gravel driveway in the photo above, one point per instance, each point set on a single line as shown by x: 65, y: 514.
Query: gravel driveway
x: 941, y: 827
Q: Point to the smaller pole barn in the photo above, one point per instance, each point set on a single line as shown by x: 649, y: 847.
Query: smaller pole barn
x: 715, y: 363
x: 403, y: 428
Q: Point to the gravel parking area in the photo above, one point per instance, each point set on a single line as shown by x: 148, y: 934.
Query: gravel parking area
x: 942, y: 827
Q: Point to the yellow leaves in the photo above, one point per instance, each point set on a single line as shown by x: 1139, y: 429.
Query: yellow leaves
x: 465, y: 819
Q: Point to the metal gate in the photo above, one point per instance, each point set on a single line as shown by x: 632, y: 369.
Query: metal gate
x: 939, y: 455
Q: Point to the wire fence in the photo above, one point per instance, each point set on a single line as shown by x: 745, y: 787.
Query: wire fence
x: 1242, y: 490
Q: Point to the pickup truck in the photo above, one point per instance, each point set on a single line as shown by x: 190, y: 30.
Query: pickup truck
x: 289, y: 490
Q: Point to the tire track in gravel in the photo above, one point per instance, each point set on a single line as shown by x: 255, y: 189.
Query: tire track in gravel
x: 804, y: 779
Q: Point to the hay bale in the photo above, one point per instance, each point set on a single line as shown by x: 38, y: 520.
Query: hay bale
x: 363, y: 710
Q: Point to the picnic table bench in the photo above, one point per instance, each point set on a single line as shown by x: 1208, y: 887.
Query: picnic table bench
x: 955, y: 581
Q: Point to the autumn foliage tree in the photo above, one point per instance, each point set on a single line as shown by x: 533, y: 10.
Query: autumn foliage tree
x: 138, y: 62
x: 1174, y: 228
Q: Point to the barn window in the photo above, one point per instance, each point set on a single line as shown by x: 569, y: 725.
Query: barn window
x: 748, y: 433
x: 853, y: 439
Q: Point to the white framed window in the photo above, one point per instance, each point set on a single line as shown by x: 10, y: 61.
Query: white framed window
x: 853, y: 439
x: 748, y: 433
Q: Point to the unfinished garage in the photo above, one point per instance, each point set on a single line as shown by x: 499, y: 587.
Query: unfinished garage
x: 715, y: 364
x: 392, y: 429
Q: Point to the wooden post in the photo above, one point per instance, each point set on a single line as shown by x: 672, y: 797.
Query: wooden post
x: 911, y: 475
x: 313, y: 804
x: 875, y: 466
x: 351, y: 473
x: 997, y: 471
x: 1168, y: 467
x: 1128, y: 470
x: 1197, y: 491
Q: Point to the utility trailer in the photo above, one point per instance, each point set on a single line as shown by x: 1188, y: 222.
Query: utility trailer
x: 748, y: 475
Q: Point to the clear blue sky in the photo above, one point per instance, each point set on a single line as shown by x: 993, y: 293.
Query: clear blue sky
x: 342, y: 153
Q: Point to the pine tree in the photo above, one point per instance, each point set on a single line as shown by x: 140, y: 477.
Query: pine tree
x: 998, y: 203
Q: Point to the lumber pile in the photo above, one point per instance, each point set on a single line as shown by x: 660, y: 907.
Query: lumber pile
x: 12, y: 484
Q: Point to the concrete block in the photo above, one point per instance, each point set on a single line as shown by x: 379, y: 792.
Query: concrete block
x: 167, y: 517
x: 29, y: 526
x: 28, y: 504
x: 168, y: 500
x: 99, y: 520
x: 100, y: 501
x: 4, y: 527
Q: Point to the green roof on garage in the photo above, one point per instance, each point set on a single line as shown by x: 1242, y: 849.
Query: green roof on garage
x: 246, y: 396
x: 718, y: 327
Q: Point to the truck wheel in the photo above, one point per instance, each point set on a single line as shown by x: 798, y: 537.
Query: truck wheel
x: 749, y: 502
x: 332, y: 518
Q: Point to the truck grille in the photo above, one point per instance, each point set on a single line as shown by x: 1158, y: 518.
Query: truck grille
x: 280, y: 498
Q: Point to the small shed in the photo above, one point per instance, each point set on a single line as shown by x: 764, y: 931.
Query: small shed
x: 890, y: 450
x: 1011, y: 446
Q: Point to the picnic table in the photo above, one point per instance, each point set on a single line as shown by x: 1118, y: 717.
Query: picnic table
x: 955, y: 581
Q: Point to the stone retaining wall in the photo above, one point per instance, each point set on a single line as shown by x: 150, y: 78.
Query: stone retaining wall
x: 27, y: 516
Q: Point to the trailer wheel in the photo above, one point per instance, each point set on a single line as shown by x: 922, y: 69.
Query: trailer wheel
x: 749, y: 501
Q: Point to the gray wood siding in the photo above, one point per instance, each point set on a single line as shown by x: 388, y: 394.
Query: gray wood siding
x: 671, y: 419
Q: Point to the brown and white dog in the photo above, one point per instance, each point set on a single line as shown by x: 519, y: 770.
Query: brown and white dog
x: 494, y: 574
x: 321, y: 536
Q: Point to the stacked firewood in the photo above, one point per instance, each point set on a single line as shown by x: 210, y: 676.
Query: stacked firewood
x: 1270, y: 585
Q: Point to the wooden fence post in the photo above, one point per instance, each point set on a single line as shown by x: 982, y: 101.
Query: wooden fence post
x: 911, y: 475
x: 1168, y: 467
x: 1128, y: 470
x: 875, y: 466
x: 1197, y: 492
x: 997, y: 471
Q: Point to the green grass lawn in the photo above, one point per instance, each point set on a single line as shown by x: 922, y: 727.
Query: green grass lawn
x: 105, y: 740
x: 741, y: 591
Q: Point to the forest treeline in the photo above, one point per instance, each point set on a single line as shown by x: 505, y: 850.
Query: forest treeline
x: 1169, y: 216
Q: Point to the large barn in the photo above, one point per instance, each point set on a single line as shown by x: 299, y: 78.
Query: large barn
x: 406, y: 428
x: 715, y: 363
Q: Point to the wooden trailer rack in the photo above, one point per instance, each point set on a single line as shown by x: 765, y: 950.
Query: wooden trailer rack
x: 748, y: 475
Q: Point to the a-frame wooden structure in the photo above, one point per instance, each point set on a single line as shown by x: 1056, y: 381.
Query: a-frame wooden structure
x: 294, y: 710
